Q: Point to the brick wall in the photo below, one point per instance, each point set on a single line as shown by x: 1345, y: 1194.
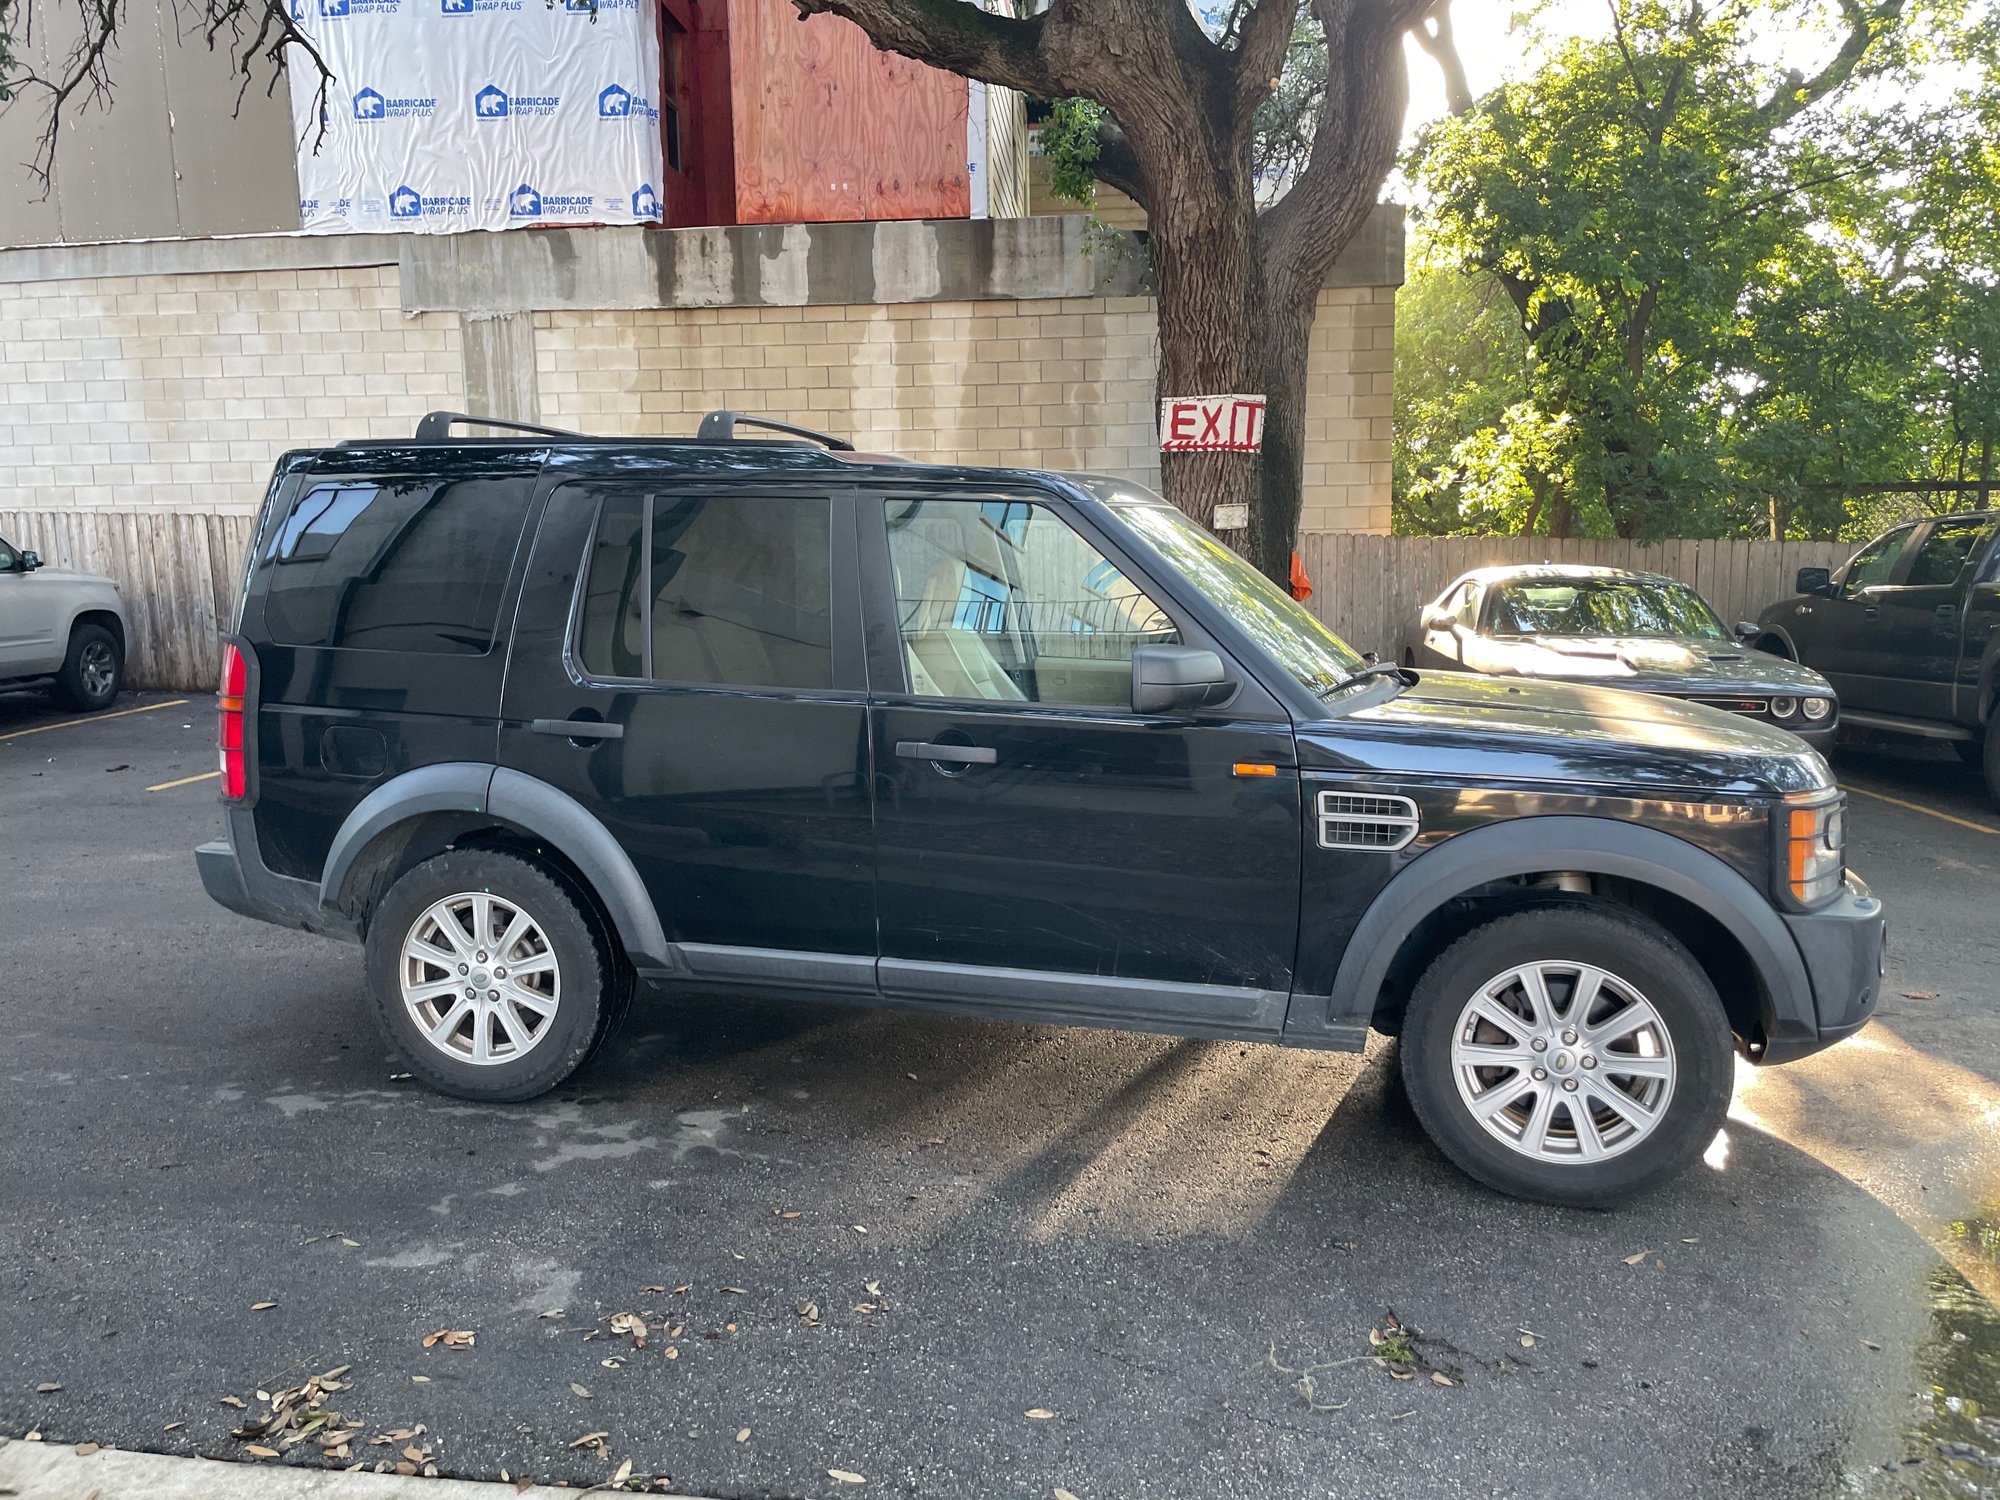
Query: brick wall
x: 175, y: 392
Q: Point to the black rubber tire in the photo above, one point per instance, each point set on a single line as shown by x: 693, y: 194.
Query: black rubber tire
x: 1636, y: 950
x: 1971, y: 752
x: 70, y: 688
x: 589, y: 1004
x: 1989, y: 758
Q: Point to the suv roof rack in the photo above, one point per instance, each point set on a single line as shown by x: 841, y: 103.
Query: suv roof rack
x: 716, y: 427
x: 720, y: 427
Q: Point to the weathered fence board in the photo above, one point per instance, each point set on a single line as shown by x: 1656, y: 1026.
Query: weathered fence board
x: 180, y: 573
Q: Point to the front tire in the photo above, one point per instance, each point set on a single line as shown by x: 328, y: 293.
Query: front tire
x: 93, y: 671
x: 488, y: 978
x: 1989, y: 758
x: 1573, y: 1054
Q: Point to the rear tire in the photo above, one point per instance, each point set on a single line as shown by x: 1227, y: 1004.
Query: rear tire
x: 439, y: 948
x: 1522, y: 1135
x: 1989, y: 758
x: 93, y: 672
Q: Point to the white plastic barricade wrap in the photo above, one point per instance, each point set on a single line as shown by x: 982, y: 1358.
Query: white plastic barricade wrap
x: 447, y: 115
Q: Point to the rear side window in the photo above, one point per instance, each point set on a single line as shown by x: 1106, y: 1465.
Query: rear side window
x: 394, y: 565
x: 723, y: 589
x: 1942, y: 557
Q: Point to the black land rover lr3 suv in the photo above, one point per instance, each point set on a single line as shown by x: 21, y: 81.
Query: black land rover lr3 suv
x: 537, y: 717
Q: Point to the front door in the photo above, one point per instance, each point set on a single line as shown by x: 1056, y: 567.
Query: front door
x: 1847, y: 647
x: 1144, y: 868
x: 1917, y: 621
x: 27, y: 623
x: 688, y: 667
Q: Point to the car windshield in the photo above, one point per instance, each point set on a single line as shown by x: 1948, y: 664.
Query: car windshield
x: 1295, y: 640
x: 1602, y: 606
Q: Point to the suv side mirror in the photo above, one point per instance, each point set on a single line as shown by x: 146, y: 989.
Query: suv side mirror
x: 30, y: 561
x: 1746, y: 630
x: 1814, y: 581
x: 1435, y: 618
x: 1175, y: 679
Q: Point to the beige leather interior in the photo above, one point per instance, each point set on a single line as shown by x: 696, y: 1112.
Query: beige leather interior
x: 946, y: 661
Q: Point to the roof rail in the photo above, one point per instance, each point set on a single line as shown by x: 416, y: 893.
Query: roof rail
x: 436, y: 426
x: 720, y: 427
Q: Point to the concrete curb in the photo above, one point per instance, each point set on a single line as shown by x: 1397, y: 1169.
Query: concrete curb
x: 49, y: 1471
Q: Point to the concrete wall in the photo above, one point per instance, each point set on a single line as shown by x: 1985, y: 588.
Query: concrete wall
x: 173, y: 155
x: 169, y: 376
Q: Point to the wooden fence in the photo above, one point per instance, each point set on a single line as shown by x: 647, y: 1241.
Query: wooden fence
x: 180, y: 573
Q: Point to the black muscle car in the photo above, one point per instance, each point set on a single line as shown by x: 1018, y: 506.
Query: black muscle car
x: 1640, y: 631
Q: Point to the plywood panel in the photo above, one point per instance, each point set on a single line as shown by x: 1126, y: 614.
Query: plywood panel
x: 828, y: 128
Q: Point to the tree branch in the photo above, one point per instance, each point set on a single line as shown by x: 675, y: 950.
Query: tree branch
x: 1864, y: 24
x: 959, y: 37
x: 1434, y: 34
x: 1117, y: 165
x: 1264, y: 36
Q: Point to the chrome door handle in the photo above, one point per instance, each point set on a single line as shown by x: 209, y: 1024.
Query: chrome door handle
x: 957, y: 755
x: 579, y: 729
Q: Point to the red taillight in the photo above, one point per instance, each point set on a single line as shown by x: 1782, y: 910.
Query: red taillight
x: 229, y: 722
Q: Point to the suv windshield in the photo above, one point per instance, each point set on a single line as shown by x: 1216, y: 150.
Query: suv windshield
x: 1603, y: 606
x: 1295, y: 640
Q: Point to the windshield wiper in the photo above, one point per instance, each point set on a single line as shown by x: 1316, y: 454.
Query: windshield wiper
x: 1375, y: 669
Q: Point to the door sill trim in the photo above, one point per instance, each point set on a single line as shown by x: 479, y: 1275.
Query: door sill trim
x: 1928, y: 729
x: 1027, y: 993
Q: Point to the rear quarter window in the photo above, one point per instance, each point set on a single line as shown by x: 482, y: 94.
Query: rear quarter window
x: 411, y: 565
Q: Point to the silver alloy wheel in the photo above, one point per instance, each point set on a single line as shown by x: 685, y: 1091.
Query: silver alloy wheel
x: 98, y: 668
x: 479, y: 979
x: 1564, y: 1062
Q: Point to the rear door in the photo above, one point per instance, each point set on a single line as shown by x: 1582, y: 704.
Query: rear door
x: 1143, y: 869
x: 1917, y: 621
x: 687, y: 665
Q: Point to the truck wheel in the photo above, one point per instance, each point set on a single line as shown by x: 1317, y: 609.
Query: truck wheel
x: 487, y: 978
x: 93, y: 671
x: 1573, y: 1054
x: 1989, y: 758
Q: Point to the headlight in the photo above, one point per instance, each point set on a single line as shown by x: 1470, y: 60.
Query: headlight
x: 1784, y: 708
x: 1817, y: 708
x: 1815, y: 845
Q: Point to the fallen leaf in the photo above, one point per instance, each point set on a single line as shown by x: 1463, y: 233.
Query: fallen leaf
x: 451, y: 1338
x: 48, y: 1387
x: 257, y: 1451
x: 672, y: 1352
x: 262, y: 1306
x: 736, y: 1291
x: 1527, y: 1341
x: 1039, y: 1413
x: 786, y: 1213
x: 860, y: 1228
x: 613, y: 1363
x: 1920, y: 994
x: 742, y: 1434
x: 557, y: 1312
x: 588, y: 1438
x: 351, y: 1244
x: 1438, y: 1377
x: 415, y: 1455
x: 420, y: 1380
x: 1691, y: 1240
x: 1636, y: 1257
x: 235, y: 1401
x: 1870, y: 1344
x: 1059, y: 1493
x: 683, y: 1288
x: 729, y: 1328
x: 34, y: 1436
x: 1396, y: 1374
x: 581, y: 1390
x: 872, y: 1288
x: 1375, y: 1338
x: 624, y: 1473
x: 84, y: 1450
x: 845, y: 1476
x: 172, y: 1425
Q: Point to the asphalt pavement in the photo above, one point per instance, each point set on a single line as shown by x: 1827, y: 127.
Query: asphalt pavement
x: 949, y: 1258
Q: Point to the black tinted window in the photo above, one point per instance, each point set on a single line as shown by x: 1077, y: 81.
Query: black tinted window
x: 1942, y: 557
x: 730, y: 589
x: 394, y: 566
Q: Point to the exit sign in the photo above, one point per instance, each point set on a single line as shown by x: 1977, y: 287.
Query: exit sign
x: 1211, y: 424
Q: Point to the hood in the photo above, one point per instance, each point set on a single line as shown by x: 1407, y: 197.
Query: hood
x: 1458, y: 726
x: 1650, y: 664
x: 56, y: 574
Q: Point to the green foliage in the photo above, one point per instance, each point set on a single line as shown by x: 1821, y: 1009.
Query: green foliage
x: 1068, y: 138
x: 1741, y: 275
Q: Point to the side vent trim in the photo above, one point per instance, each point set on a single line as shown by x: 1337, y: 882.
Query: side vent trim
x: 1376, y: 822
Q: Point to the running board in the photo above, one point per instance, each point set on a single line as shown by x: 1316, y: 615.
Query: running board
x: 1923, y: 728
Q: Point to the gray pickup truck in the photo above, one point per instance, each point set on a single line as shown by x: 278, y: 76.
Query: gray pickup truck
x: 1908, y: 633
x: 62, y: 627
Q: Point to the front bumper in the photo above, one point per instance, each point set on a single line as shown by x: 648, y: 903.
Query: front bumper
x: 1845, y: 949
x: 234, y: 874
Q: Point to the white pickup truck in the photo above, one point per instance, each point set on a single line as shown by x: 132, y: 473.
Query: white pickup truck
x: 63, y: 626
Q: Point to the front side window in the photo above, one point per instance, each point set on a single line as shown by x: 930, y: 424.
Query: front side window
x: 1004, y: 601
x: 8, y: 557
x: 1875, y: 562
x: 1467, y: 609
x: 727, y: 590
x: 1625, y: 607
x: 1942, y: 557
x: 394, y: 565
